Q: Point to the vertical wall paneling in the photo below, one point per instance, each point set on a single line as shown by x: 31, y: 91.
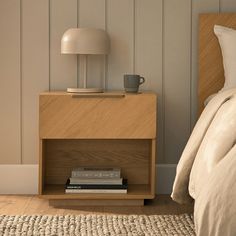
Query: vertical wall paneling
x: 120, y: 23
x: 200, y: 6
x: 10, y: 82
x: 63, y: 68
x: 148, y: 54
x: 177, y: 51
x: 156, y: 38
x: 35, y: 71
x: 92, y: 15
x: 227, y: 5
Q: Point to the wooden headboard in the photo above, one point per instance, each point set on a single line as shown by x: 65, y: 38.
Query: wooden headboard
x: 211, y: 72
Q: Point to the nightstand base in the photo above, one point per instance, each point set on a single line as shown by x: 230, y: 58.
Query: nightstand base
x: 84, y: 202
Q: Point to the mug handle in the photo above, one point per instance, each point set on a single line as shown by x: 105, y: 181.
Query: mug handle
x: 142, y: 80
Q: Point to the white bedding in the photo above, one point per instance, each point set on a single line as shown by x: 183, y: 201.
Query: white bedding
x: 209, y: 99
x: 206, y: 171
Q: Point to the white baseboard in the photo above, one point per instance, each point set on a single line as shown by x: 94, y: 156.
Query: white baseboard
x: 23, y: 179
x: 18, y: 179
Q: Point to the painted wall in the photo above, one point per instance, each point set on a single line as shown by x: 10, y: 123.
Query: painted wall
x: 154, y: 38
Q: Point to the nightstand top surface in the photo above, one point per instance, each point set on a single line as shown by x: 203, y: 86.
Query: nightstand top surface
x: 106, y: 93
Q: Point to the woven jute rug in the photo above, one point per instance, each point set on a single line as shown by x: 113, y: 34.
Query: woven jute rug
x: 97, y: 225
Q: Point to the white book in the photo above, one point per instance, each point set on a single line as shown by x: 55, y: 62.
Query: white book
x: 96, y: 190
x: 96, y: 172
x: 76, y: 180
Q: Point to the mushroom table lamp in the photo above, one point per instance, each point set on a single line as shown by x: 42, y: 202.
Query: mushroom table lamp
x: 85, y: 41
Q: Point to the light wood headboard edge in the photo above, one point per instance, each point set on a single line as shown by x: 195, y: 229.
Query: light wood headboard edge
x: 211, y: 73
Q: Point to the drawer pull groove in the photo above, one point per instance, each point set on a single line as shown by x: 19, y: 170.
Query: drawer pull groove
x: 98, y: 95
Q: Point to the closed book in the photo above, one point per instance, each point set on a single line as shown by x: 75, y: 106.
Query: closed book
x: 96, y: 172
x: 96, y: 181
x: 124, y: 185
x: 96, y: 191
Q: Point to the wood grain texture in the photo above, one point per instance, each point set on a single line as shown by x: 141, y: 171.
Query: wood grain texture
x: 63, y: 68
x: 35, y: 72
x: 41, y: 167
x: 135, y: 191
x: 120, y: 23
x: 10, y: 80
x: 177, y: 38
x: 200, y: 6
x: 152, y: 167
x: 211, y: 75
x: 91, y: 202
x: 148, y: 55
x: 132, y: 156
x: 106, y: 132
x: 133, y: 116
x: 91, y: 13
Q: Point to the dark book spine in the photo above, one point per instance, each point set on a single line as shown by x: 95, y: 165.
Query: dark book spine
x: 96, y: 186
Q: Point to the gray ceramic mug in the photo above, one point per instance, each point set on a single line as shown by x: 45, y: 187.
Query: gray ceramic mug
x: 132, y: 82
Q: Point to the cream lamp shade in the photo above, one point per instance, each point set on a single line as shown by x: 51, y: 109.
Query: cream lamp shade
x: 85, y: 41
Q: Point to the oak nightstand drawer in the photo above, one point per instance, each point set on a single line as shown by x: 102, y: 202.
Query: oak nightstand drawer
x: 97, y: 117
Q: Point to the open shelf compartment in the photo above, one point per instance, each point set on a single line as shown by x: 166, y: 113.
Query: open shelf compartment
x: 135, y: 191
x: 133, y: 156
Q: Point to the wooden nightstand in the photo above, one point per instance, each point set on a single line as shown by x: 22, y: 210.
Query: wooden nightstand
x: 108, y: 130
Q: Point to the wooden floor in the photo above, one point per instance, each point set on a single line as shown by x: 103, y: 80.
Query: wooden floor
x: 162, y: 204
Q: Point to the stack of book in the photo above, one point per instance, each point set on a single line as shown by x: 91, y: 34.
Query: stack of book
x: 96, y: 180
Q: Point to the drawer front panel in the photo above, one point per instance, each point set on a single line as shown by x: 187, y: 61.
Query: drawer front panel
x: 131, y: 116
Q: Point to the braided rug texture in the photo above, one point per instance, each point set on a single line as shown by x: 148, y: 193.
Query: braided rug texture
x: 103, y: 225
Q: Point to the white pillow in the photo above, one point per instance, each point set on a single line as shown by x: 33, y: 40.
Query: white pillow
x: 209, y: 98
x: 227, y: 40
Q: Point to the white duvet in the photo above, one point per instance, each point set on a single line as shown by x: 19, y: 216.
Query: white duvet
x: 206, y: 171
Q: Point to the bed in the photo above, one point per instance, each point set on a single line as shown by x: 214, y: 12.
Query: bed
x: 206, y: 171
